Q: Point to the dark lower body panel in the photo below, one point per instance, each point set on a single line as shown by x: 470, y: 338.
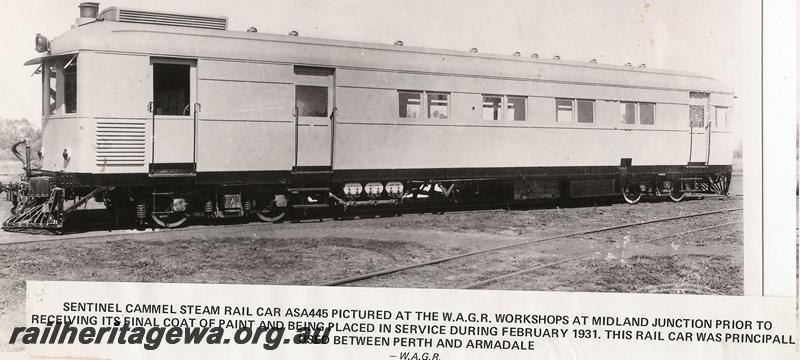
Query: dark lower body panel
x: 171, y: 197
x: 290, y: 178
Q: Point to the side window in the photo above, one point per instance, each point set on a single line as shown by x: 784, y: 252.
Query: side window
x: 437, y: 106
x: 696, y: 116
x: 647, y: 113
x: 50, y: 80
x: 491, y: 107
x: 628, y: 112
x: 410, y: 104
x: 721, y: 117
x: 564, y: 110
x: 586, y: 111
x: 312, y: 100
x: 171, y: 89
x: 516, y: 108
x: 60, y: 76
x: 71, y: 86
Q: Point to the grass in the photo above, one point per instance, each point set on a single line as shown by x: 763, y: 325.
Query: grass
x: 666, y: 274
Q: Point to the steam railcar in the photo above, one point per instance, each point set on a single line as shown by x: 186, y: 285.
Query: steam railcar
x: 169, y: 116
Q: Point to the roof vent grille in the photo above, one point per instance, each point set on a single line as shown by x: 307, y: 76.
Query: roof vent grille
x: 157, y: 18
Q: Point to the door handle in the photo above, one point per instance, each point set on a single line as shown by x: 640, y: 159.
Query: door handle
x: 295, y: 111
x: 334, y: 113
x: 150, y: 106
x: 197, y: 107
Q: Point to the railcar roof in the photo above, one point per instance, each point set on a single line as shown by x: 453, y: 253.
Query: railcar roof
x: 163, y: 40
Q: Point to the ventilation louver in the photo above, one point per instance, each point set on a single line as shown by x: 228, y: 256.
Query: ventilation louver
x: 157, y: 18
x: 120, y: 143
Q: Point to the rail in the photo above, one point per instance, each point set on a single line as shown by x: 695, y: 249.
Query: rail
x: 485, y: 282
x: 518, y: 244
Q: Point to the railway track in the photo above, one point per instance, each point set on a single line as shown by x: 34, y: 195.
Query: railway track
x: 90, y: 227
x: 482, y: 283
x: 437, y: 261
x: 101, y: 221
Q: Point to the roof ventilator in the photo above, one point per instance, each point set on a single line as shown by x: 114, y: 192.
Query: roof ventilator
x: 158, y: 18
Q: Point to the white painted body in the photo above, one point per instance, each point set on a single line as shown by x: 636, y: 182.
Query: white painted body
x: 245, y: 85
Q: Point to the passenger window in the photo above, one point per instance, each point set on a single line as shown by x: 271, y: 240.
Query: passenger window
x: 437, y: 106
x: 312, y: 101
x: 647, y: 113
x: 628, y: 112
x: 721, y: 118
x: 516, y: 108
x: 585, y: 111
x: 171, y: 89
x: 564, y: 110
x: 410, y: 104
x: 491, y: 107
x: 696, y: 116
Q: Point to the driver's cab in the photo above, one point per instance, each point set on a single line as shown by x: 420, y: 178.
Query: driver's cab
x: 60, y: 109
x: 59, y: 86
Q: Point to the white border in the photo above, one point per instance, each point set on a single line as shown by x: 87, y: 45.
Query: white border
x: 779, y: 149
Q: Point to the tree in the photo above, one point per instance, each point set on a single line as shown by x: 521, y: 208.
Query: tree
x: 14, y: 130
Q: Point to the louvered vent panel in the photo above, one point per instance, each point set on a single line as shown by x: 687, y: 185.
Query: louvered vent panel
x: 147, y: 17
x: 120, y: 143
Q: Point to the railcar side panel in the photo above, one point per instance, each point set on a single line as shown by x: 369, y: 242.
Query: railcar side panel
x: 114, y: 86
x: 245, y: 101
x: 114, y: 129
x: 672, y: 116
x: 607, y: 114
x: 404, y: 146
x: 70, y: 133
x: 363, y: 105
x: 245, y: 122
x: 541, y: 111
x: 241, y: 70
x: 722, y: 144
x: 245, y: 146
x: 469, y: 111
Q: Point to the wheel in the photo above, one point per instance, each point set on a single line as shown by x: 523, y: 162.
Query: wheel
x: 632, y: 193
x: 171, y: 220
x: 271, y: 214
x: 675, y: 192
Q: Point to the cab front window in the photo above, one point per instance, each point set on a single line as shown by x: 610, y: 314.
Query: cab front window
x: 60, y: 85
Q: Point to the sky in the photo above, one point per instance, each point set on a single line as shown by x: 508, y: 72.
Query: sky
x: 718, y: 38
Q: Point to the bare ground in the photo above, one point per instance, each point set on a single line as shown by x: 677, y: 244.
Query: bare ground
x: 312, y: 253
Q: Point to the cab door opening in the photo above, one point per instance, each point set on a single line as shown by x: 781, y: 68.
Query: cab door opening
x: 699, y: 129
x: 315, y: 113
x: 174, y: 117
